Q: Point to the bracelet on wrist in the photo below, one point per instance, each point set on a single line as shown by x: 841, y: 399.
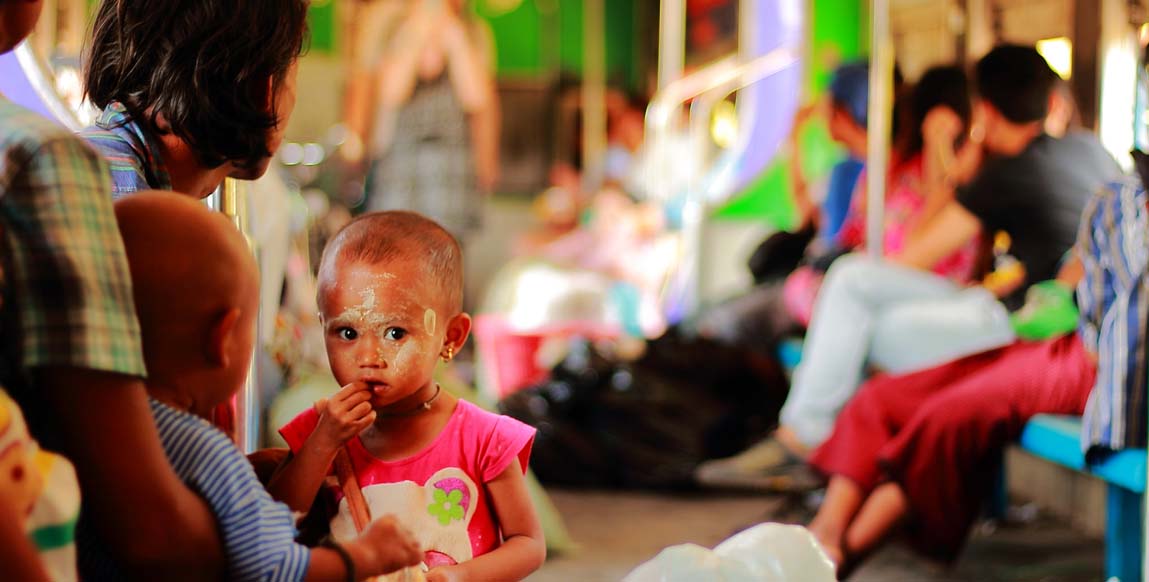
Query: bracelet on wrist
x: 348, y: 561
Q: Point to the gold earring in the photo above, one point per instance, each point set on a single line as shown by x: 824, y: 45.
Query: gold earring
x: 447, y: 354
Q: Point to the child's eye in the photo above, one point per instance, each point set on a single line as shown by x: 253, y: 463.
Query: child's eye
x: 346, y: 333
x: 395, y: 333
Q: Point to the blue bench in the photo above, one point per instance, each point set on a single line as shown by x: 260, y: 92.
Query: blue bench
x: 1058, y: 439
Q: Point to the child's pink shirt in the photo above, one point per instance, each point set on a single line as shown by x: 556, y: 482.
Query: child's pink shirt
x: 439, y: 493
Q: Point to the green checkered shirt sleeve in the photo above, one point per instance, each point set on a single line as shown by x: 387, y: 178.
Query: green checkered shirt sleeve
x: 69, y: 277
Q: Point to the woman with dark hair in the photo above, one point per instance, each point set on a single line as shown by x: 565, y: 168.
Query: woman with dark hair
x: 941, y: 96
x: 192, y: 91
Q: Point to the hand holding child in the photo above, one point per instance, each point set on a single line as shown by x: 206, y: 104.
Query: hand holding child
x: 384, y: 547
x: 343, y: 416
x: 445, y: 574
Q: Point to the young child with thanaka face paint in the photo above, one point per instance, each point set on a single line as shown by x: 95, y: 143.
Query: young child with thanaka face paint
x: 196, y: 290
x: 390, y: 300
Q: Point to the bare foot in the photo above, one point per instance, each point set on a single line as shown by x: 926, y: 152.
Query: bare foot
x: 790, y: 440
x: 831, y: 543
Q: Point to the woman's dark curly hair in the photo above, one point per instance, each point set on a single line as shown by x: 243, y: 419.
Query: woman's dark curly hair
x: 202, y: 64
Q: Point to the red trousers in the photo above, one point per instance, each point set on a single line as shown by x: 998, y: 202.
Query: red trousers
x: 939, y: 433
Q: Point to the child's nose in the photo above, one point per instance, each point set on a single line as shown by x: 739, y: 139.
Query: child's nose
x: 371, y: 353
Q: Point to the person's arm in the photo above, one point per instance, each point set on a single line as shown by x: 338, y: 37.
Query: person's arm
x: 523, y: 549
x: 108, y: 433
x: 806, y: 209
x: 467, y: 63
x: 18, y: 558
x: 485, y: 129
x: 397, y: 71
x: 1071, y: 273
x: 341, y: 417
x: 949, y: 230
x: 66, y: 257
x: 384, y: 547
x: 486, y: 124
x: 357, y: 115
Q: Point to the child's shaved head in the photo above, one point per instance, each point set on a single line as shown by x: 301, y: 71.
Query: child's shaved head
x: 379, y: 238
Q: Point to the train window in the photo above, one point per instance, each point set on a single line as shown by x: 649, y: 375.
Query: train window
x: 1058, y: 52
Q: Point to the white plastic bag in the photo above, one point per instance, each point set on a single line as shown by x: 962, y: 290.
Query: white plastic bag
x: 770, y: 552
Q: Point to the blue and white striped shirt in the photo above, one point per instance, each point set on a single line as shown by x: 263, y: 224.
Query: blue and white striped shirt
x: 1113, y: 299
x: 258, y: 532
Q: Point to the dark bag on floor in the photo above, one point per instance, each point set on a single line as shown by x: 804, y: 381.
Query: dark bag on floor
x: 647, y: 424
x: 778, y: 255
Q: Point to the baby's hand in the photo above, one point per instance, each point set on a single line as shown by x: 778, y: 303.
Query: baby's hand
x: 344, y: 415
x: 384, y: 547
x: 444, y: 574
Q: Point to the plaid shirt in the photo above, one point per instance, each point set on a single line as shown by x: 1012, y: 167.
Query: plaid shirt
x: 129, y: 151
x: 1113, y: 298
x: 66, y: 294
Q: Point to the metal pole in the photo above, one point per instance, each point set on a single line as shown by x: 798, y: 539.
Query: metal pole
x: 233, y: 203
x: 594, y: 95
x: 878, y: 126
x: 671, y: 41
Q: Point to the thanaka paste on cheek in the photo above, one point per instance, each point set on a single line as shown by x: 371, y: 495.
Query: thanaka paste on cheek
x: 430, y: 321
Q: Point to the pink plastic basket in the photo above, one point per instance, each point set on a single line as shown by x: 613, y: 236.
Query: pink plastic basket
x: 509, y: 355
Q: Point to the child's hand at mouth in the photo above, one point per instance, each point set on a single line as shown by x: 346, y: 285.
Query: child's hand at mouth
x: 344, y: 415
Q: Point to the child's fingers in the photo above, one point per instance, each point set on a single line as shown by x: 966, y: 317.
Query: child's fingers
x: 321, y: 405
x: 365, y: 422
x: 360, y: 410
x: 349, y: 390
x: 351, y: 401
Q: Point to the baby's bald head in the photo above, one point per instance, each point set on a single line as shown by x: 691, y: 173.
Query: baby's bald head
x: 190, y: 268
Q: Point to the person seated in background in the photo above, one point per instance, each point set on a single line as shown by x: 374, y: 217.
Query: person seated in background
x: 846, y: 110
x: 759, y: 318
x: 765, y: 315
x: 175, y: 114
x: 196, y: 288
x: 70, y: 353
x: 919, y: 452
x: 899, y: 317
x: 434, y: 139
x: 390, y: 298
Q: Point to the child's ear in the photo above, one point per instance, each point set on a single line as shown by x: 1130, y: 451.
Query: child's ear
x: 457, y: 331
x: 222, y: 335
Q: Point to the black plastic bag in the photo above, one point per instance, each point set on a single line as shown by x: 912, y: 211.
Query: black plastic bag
x: 778, y: 255
x: 647, y: 424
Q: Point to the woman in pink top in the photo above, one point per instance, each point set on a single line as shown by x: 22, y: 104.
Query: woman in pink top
x: 940, y: 91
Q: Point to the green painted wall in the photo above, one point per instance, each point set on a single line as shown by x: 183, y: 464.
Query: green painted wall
x: 519, y: 50
x: 322, y: 23
x: 543, y: 37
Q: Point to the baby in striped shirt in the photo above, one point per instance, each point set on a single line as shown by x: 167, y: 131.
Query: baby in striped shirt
x: 196, y: 293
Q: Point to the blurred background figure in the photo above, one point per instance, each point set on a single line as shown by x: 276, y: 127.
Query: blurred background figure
x: 433, y: 143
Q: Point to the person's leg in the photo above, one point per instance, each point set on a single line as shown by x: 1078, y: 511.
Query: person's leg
x: 927, y: 333
x: 866, y: 423
x: 856, y: 292
x: 843, y: 500
x: 945, y: 457
x: 870, y: 421
x: 884, y: 510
